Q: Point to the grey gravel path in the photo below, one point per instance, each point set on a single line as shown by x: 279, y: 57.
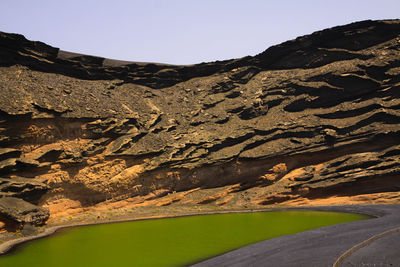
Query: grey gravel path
x: 323, y: 246
x: 384, y: 251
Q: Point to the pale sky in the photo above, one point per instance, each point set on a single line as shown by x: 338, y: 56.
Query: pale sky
x: 180, y: 31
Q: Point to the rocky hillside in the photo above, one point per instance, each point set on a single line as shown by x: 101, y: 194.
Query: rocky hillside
x: 311, y: 118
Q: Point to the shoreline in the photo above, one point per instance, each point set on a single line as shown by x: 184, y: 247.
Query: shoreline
x: 324, y: 246
x: 8, y: 246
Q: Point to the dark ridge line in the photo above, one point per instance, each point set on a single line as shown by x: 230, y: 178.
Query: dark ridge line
x: 18, y: 50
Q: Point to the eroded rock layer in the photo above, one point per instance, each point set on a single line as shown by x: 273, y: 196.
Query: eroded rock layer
x: 310, y: 118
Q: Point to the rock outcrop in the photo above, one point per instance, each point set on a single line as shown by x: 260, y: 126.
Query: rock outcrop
x: 26, y: 189
x: 18, y: 211
x: 313, y: 117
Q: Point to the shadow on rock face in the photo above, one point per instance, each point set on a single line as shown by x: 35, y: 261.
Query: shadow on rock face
x: 16, y: 213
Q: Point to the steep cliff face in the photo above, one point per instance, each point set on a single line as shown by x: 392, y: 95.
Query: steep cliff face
x: 314, y: 117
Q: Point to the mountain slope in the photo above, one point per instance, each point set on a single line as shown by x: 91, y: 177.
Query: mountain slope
x: 311, y: 118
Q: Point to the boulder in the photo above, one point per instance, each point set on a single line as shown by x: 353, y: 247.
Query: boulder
x: 24, y: 188
x: 22, y: 212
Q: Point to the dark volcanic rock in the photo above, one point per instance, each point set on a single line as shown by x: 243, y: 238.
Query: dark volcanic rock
x: 8, y: 165
x: 6, y: 153
x: 280, y: 123
x: 27, y: 189
x: 22, y: 212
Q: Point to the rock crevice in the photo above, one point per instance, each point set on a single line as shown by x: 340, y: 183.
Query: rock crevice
x: 325, y: 106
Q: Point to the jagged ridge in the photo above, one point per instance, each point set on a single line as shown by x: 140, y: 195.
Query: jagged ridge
x: 92, y: 128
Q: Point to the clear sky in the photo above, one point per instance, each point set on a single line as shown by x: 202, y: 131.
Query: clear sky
x: 180, y: 31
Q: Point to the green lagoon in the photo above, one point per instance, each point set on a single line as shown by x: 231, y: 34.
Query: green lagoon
x: 165, y: 242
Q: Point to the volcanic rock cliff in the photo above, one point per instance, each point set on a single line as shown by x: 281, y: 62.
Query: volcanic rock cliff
x: 311, y: 118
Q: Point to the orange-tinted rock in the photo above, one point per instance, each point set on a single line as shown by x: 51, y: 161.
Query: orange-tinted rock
x: 310, y: 118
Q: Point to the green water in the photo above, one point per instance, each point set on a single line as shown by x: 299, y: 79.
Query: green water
x: 165, y: 242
